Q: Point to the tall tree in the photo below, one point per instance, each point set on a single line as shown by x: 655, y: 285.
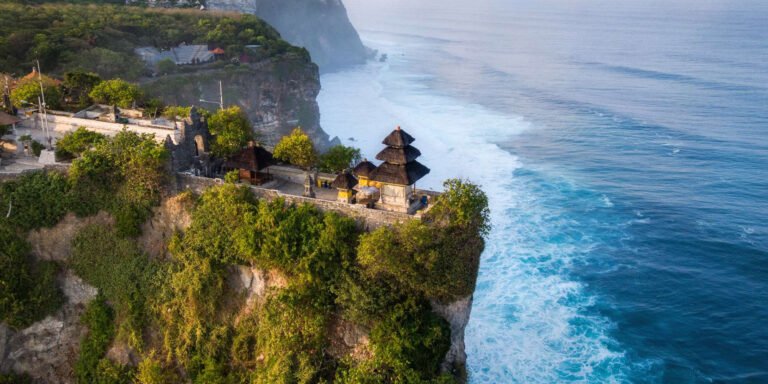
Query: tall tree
x: 116, y: 92
x: 297, y: 149
x: 231, y: 129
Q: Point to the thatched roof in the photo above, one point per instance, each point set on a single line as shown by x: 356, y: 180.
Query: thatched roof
x: 398, y: 138
x: 406, y: 174
x: 364, y: 169
x: 6, y: 119
x: 253, y: 158
x: 398, y: 155
x: 344, y: 180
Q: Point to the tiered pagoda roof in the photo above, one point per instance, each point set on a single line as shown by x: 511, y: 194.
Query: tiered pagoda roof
x: 399, y: 157
x: 253, y: 157
x: 344, y: 180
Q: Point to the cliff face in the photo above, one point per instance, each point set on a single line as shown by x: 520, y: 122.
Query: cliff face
x: 277, y: 94
x: 321, y: 26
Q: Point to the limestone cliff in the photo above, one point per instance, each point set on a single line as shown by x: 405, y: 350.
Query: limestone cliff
x: 277, y: 94
x: 321, y: 26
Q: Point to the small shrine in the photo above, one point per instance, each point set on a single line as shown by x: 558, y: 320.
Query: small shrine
x: 345, y: 182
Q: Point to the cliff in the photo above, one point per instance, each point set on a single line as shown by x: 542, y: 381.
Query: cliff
x: 277, y: 94
x: 321, y: 26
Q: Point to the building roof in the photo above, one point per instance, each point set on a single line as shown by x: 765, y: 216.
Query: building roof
x: 364, y: 169
x: 253, y: 158
x: 398, y: 155
x: 344, y: 180
x: 403, y: 174
x: 398, y: 138
x: 6, y: 119
x: 218, y: 51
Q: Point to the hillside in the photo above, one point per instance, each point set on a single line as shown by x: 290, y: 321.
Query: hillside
x: 138, y: 282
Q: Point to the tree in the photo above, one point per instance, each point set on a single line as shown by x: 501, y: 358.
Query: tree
x: 28, y: 91
x: 231, y: 129
x: 116, y: 92
x: 73, y: 144
x: 166, y: 66
x: 297, y: 149
x: 339, y: 158
x: 78, y: 84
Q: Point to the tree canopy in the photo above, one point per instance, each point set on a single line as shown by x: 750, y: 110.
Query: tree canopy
x: 116, y: 92
x: 339, y: 158
x: 27, y: 92
x: 231, y: 129
x: 296, y: 149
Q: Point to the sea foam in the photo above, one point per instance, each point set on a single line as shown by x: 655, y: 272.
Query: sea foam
x: 529, y: 321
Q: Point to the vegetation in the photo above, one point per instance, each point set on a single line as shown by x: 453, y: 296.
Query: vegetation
x: 28, y: 289
x: 101, y: 39
x: 339, y: 158
x: 116, y: 92
x: 231, y: 129
x: 297, y: 149
x: 78, y: 85
x: 27, y: 93
x: 186, y: 319
x: 74, y: 144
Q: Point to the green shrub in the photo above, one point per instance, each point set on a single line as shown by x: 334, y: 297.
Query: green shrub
x: 36, y: 199
x: 28, y: 290
x: 339, y: 158
x: 98, y: 317
x: 121, y: 272
x: 116, y: 92
x: 75, y: 143
x: 12, y: 378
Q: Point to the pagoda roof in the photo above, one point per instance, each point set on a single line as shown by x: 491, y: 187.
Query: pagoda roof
x: 403, y: 174
x: 364, y: 169
x: 252, y: 158
x: 398, y: 138
x: 344, y: 180
x: 398, y: 155
x: 6, y: 119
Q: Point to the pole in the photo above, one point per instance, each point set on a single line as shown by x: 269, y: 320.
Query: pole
x: 221, y: 96
x: 43, y: 107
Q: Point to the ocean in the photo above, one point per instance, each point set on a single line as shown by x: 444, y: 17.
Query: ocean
x: 624, y: 149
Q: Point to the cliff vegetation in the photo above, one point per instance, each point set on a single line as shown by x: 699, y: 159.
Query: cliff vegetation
x: 247, y: 291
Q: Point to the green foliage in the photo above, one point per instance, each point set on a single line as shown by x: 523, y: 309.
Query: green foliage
x: 12, y: 378
x: 36, y: 199
x: 231, y: 129
x: 289, y: 340
x: 102, y: 38
x: 438, y: 257
x: 232, y: 177
x: 98, y: 317
x: 121, y: 272
x: 116, y: 92
x: 151, y: 371
x: 27, y: 93
x: 28, y: 290
x: 75, y: 143
x: 297, y: 149
x: 37, y: 147
x: 125, y: 174
x: 78, y: 84
x: 339, y: 158
x: 463, y: 204
x: 166, y: 66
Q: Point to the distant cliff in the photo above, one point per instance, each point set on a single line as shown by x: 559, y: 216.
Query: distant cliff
x: 321, y: 26
x: 277, y: 95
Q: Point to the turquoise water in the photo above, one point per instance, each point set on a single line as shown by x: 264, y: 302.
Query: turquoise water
x: 624, y: 148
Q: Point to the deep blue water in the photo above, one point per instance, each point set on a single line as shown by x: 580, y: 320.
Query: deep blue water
x: 624, y: 147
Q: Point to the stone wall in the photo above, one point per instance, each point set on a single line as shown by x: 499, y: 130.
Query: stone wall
x: 61, y: 124
x: 367, y: 218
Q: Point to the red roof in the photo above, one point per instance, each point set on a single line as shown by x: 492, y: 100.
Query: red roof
x: 218, y: 51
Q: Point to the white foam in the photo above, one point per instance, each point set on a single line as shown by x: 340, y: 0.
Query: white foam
x: 528, y: 322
